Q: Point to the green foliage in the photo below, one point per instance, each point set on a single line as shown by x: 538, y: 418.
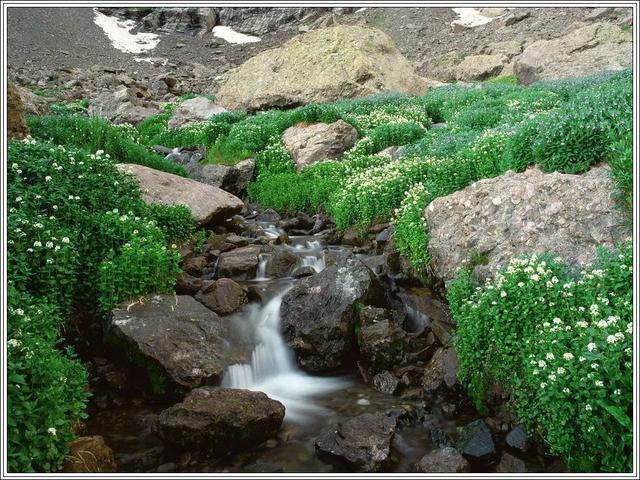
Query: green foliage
x: 70, y: 108
x: 561, y: 343
x: 118, y: 141
x: 411, y: 229
x: 70, y: 212
x: 621, y: 162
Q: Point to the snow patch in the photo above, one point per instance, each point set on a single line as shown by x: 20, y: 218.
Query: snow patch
x: 361, y: 10
x: 231, y: 36
x: 470, y: 17
x: 118, y: 32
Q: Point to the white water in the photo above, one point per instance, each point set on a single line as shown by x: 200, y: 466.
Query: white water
x: 119, y: 33
x: 273, y: 369
x: 261, y: 273
x: 230, y: 35
x: 317, y: 262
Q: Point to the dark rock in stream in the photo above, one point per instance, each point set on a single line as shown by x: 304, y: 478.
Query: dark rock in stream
x: 195, y: 265
x: 187, y: 284
x: 281, y: 263
x: 221, y: 420
x: 362, y: 442
x: 223, y: 296
x: 239, y: 263
x: 386, y: 382
x: 319, y: 313
x: 517, y: 438
x: 475, y: 442
x: 304, y: 271
x: 510, y: 464
x: 173, y: 339
x: 381, y: 339
x: 444, y: 460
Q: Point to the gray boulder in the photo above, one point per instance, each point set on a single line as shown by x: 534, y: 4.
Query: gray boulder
x: 239, y: 263
x: 223, y: 296
x: 221, y: 420
x: 198, y: 109
x: 230, y: 178
x: 317, y: 142
x: 121, y: 107
x: 441, y: 369
x: 362, y: 442
x: 320, y: 312
x: 177, y: 341
x: 443, y: 460
x: 207, y: 203
x: 524, y: 213
x: 584, y: 51
x: 476, y: 443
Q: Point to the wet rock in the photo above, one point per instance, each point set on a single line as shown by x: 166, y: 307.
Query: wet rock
x: 358, y: 61
x: 240, y: 263
x: 320, y: 312
x: 517, y: 438
x: 318, y: 142
x: 230, y: 178
x: 281, y: 262
x: 89, y: 455
x: 174, y: 340
x: 208, y: 204
x: 569, y: 215
x: 304, y: 271
x: 384, y: 235
x: 224, y: 296
x: 381, y: 339
x: 221, y: 420
x: 198, y: 109
x: 444, y: 460
x: 195, y: 265
x: 584, y: 51
x: 439, y: 437
x: 510, y: 464
x: 386, y: 382
x: 475, y: 442
x: 16, y: 124
x: 362, y: 442
x: 353, y: 236
x: 268, y: 215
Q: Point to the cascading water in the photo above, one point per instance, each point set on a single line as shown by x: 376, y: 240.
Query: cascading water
x: 261, y: 272
x: 315, y: 256
x: 273, y: 369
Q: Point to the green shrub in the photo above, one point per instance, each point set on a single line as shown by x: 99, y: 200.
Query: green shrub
x: 411, y: 229
x: 93, y: 134
x: 69, y: 213
x: 561, y: 343
x: 621, y: 163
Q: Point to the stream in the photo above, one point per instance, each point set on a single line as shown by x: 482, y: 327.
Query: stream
x: 312, y: 402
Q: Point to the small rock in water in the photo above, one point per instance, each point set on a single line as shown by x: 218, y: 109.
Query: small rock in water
x: 386, y: 382
x: 363, y: 401
x: 475, y: 441
x: 511, y: 464
x: 445, y: 460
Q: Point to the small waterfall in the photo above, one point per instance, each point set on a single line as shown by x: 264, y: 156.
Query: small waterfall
x: 261, y: 272
x: 317, y: 262
x: 273, y: 368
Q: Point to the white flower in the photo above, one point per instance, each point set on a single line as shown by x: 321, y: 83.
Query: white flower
x: 542, y: 364
x: 561, y: 371
x: 535, y: 277
x: 550, y: 356
x: 49, y: 244
x: 13, y: 342
x: 552, y: 377
x: 543, y: 385
x: 65, y: 239
x: 565, y: 390
x: 629, y: 327
x: 582, y: 359
x: 588, y: 407
x: 19, y: 311
x: 582, y: 324
x: 591, y: 347
x: 599, y: 383
x: 52, y: 431
x: 568, y: 356
x: 595, y: 366
x: 503, y: 294
x: 612, y: 339
x: 47, y: 178
x: 549, y: 284
x: 557, y: 321
x: 520, y: 284
x: 617, y: 391
x: 37, y: 243
x: 594, y: 309
x: 602, y: 324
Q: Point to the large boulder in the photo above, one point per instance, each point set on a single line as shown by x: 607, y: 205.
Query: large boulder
x: 89, y: 455
x: 239, y: 263
x: 362, y: 442
x: 32, y: 103
x: 443, y: 460
x: 584, y: 51
x: 480, y: 67
x: 221, y: 420
x: 524, y: 213
x: 16, y: 125
x: 199, y: 109
x: 319, y: 313
x: 223, y: 296
x: 208, y: 204
x: 122, y: 106
x: 321, y: 66
x: 317, y: 142
x: 176, y: 340
x: 381, y: 339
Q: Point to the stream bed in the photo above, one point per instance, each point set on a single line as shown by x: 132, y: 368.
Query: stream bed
x: 312, y: 402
